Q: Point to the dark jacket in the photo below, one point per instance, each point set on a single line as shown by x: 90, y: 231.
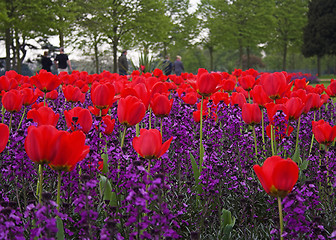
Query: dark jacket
x: 123, y: 64
x: 178, y: 67
x: 167, y: 67
x: 46, y: 63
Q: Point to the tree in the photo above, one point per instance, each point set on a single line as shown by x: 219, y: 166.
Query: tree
x: 243, y: 24
x: 320, y: 32
x: 290, y: 18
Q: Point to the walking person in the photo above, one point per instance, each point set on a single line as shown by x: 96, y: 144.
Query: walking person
x: 178, y: 66
x: 62, y: 62
x: 46, y: 62
x: 123, y: 64
x: 167, y: 66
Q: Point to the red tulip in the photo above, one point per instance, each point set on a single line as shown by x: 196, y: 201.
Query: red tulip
x: 73, y: 94
x: 28, y: 96
x: 229, y: 85
x: 259, y: 96
x: 190, y: 98
x: 237, y: 98
x: 247, y: 82
x: 294, y: 108
x: 313, y: 102
x: 207, y: 83
x: 52, y: 95
x: 331, y: 89
x: 251, y: 113
x: 71, y: 150
x: 157, y: 72
x: 130, y: 111
x: 323, y: 132
x: 274, y: 84
x: 46, y: 81
x: 102, y: 95
x: 279, y: 133
x: 7, y: 83
x: 95, y: 111
x: 272, y: 108
x: 161, y: 105
x: 277, y: 176
x: 4, y: 136
x: 109, y: 124
x: 43, y: 116
x: 149, y: 144
x: 12, y: 101
x: 220, y: 96
x: 300, y: 84
x: 40, y: 143
x: 78, y: 115
x: 197, y: 115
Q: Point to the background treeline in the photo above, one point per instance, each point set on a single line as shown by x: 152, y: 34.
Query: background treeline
x: 220, y: 35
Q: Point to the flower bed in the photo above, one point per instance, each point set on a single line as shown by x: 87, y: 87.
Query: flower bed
x: 81, y: 163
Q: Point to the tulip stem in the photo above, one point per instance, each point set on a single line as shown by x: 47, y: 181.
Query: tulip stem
x: 40, y: 182
x: 272, y: 136
x: 150, y: 118
x: 255, y: 143
x: 58, y: 200
x: 280, y: 217
x: 201, y: 131
x: 312, y: 139
x: 123, y: 137
x: 297, y: 134
x: 3, y: 113
x: 44, y: 100
x: 10, y: 122
x: 263, y: 128
x: 23, y: 115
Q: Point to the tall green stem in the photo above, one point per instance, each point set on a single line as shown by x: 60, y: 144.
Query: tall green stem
x: 263, y: 128
x: 201, y: 131
x: 3, y: 113
x: 58, y: 200
x: 255, y: 143
x: 40, y: 182
x: 161, y: 126
x: 272, y: 137
x: 297, y: 133
x: 280, y: 217
x: 123, y: 137
x: 23, y: 115
x: 10, y: 122
x: 150, y: 118
x: 312, y: 139
x: 44, y: 101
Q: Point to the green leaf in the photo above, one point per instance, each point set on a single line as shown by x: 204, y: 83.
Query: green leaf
x: 60, y: 232
x: 304, y: 165
x: 197, y: 174
x: 296, y: 157
x: 104, y: 156
x: 106, y: 189
x: 201, y: 156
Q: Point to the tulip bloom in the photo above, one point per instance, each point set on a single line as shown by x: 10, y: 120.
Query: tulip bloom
x: 43, y: 116
x: 331, y: 89
x: 83, y: 118
x: 102, y: 95
x: 12, y: 101
x: 29, y: 97
x: 277, y: 176
x: 130, y: 111
x: 52, y: 95
x: 40, y: 143
x: 207, y: 83
x: 190, y: 98
x: 313, y: 102
x: 323, y: 132
x: 294, y: 108
x: 95, y: 111
x: 237, y: 98
x: 275, y: 84
x: 161, y: 105
x: 229, y: 85
x: 71, y: 150
x: 149, y: 144
x: 251, y: 113
x: 46, y: 81
x: 259, y: 96
x: 109, y: 124
x: 4, y: 136
x: 73, y: 94
x: 247, y: 82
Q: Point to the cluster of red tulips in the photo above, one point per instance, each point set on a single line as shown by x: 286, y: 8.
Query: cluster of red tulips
x: 136, y: 94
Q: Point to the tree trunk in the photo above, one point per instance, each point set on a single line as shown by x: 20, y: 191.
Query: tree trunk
x: 61, y: 38
x: 17, y: 53
x: 211, y: 58
x: 248, y: 64
x: 240, y: 54
x: 96, y: 57
x: 318, y: 65
x: 115, y: 59
x: 284, y: 57
x: 8, y: 39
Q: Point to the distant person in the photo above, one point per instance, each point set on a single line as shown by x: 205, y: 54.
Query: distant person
x: 46, y: 62
x: 167, y: 66
x: 178, y: 66
x: 122, y: 63
x: 62, y: 62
